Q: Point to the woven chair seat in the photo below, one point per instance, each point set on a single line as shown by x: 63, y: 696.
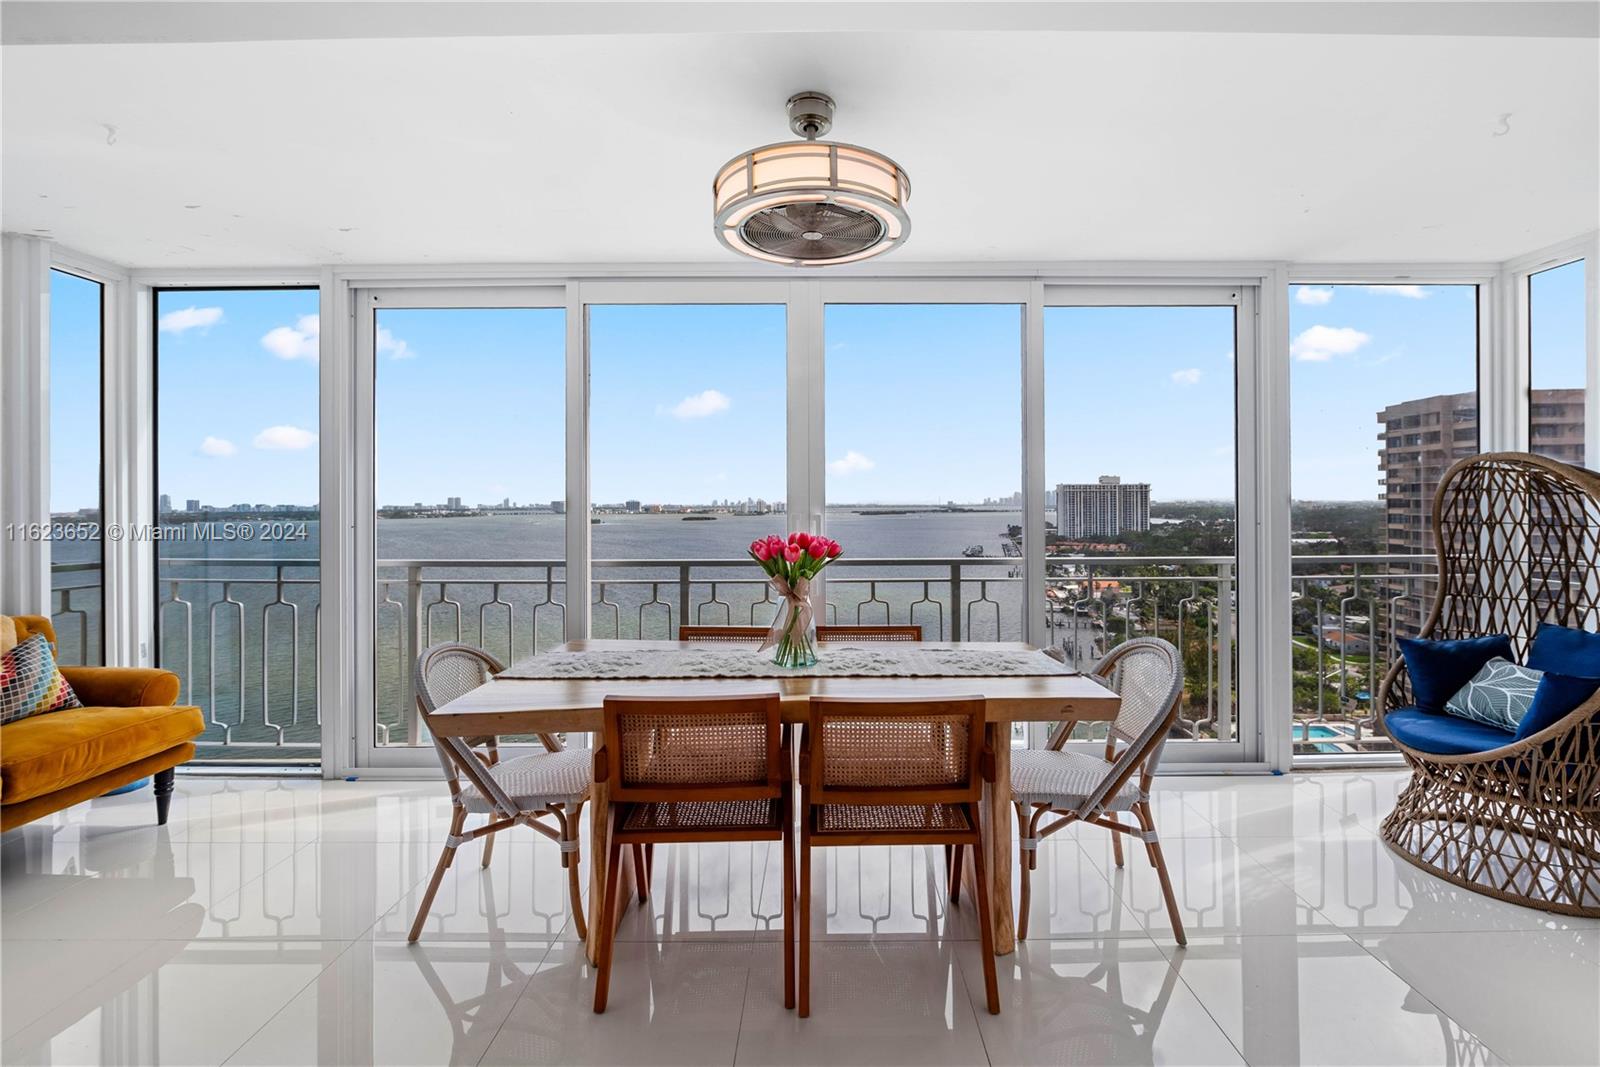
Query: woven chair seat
x: 537, y: 781
x: 890, y: 818
x: 706, y: 816
x: 1064, y: 779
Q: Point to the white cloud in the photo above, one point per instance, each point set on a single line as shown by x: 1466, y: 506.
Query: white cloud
x: 217, y: 446
x: 1410, y: 292
x: 294, y: 342
x: 1321, y: 343
x: 390, y: 345
x: 189, y: 318
x: 1191, y: 376
x: 1313, y: 294
x: 700, y: 405
x: 284, y: 438
x: 852, y: 463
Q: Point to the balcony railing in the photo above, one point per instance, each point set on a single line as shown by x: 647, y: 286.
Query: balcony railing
x: 242, y: 633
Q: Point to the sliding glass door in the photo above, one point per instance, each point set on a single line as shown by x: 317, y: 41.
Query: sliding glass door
x: 1146, y: 509
x: 463, y: 488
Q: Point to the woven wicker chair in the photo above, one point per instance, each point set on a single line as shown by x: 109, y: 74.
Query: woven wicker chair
x: 1147, y: 673
x: 553, y: 783
x: 894, y: 772
x: 755, y: 634
x: 695, y: 769
x: 1518, y: 539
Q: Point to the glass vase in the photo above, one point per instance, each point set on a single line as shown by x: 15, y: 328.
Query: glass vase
x: 796, y: 627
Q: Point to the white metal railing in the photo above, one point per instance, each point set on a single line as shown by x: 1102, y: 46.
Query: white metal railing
x: 242, y: 633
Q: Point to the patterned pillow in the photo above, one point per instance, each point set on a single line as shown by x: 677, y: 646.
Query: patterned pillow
x: 30, y: 684
x: 1498, y: 695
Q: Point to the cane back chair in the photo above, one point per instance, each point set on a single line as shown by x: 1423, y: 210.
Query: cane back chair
x: 894, y: 772
x: 755, y: 634
x: 553, y: 783
x: 1073, y: 786
x: 1518, y: 540
x: 695, y: 769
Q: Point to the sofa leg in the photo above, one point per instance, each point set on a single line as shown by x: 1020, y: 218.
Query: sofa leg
x: 163, y: 786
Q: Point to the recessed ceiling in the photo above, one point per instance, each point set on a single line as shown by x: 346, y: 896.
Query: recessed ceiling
x: 1022, y: 145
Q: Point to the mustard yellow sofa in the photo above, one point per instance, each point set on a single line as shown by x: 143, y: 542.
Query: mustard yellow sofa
x: 130, y: 727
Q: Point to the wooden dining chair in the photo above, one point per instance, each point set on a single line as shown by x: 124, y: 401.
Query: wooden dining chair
x: 755, y: 634
x: 553, y: 783
x: 691, y: 770
x: 894, y: 772
x: 1076, y: 787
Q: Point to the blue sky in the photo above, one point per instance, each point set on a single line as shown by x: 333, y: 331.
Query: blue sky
x: 687, y: 402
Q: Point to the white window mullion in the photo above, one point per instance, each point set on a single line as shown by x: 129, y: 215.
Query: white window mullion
x: 578, y: 564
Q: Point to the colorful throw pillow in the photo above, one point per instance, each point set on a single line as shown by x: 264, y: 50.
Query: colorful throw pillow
x: 1498, y: 695
x: 1439, y: 668
x: 30, y: 683
x: 1558, y: 695
x: 1565, y: 650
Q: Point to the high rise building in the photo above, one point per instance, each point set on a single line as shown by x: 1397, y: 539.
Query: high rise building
x: 1104, y: 508
x: 1419, y: 440
x: 192, y: 504
x: 166, y: 503
x: 453, y: 503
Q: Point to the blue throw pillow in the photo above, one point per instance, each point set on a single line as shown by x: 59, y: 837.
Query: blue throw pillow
x: 1499, y: 694
x: 1439, y: 668
x: 1565, y: 650
x: 1557, y: 696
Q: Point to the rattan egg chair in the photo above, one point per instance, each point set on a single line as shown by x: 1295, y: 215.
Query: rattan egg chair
x: 1518, y: 539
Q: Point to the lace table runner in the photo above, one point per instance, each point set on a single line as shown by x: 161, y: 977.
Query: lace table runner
x: 837, y: 661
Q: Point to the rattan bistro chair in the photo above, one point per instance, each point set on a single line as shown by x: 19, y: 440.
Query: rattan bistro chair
x: 1518, y: 539
x: 1147, y: 673
x: 553, y: 783
x: 695, y: 769
x: 755, y: 634
x: 894, y: 772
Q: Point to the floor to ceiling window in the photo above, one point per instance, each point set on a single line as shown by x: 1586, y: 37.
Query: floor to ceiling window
x: 687, y: 462
x: 1557, y: 367
x: 924, y: 467
x: 1384, y: 397
x: 77, y: 562
x: 1141, y: 493
x: 469, y: 484
x: 237, y: 575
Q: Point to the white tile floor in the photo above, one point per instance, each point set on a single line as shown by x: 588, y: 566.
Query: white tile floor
x: 266, y: 925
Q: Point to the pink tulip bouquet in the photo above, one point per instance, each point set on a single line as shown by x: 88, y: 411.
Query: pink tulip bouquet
x: 790, y: 566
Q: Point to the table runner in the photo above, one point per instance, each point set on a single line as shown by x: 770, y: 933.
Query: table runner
x: 837, y: 661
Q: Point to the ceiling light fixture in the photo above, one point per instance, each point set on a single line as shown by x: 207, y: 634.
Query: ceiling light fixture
x: 811, y: 203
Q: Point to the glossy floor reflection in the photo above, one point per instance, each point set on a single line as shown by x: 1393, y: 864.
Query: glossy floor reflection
x: 266, y: 925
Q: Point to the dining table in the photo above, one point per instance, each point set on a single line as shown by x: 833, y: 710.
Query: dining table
x: 506, y: 706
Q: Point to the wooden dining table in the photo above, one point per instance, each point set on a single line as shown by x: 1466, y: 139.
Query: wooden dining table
x: 508, y: 706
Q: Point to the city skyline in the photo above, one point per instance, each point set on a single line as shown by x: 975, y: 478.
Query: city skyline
x: 688, y: 401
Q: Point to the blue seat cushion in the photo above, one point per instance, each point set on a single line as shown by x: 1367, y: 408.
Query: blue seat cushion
x: 1565, y: 650
x: 1443, y: 735
x: 1438, y: 669
x: 1556, y: 698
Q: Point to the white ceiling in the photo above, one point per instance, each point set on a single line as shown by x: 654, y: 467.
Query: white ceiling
x: 1023, y: 144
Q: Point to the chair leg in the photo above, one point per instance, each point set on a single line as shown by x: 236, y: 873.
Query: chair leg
x: 1025, y: 862
x: 488, y: 849
x: 165, y: 780
x: 955, y: 873
x: 569, y: 829
x: 1116, y: 838
x: 991, y: 985
x: 446, y: 857
x: 607, y: 935
x: 805, y: 925
x: 641, y: 872
x: 788, y: 910
x: 1159, y: 862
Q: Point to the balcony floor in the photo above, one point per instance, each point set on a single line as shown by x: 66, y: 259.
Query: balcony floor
x: 266, y: 924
